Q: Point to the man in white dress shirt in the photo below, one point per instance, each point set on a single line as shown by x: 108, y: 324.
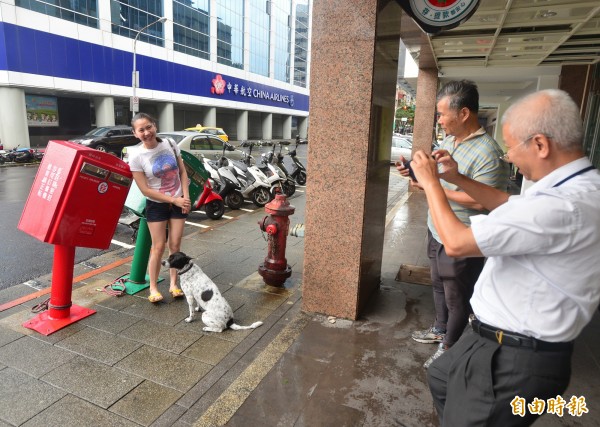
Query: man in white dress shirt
x: 541, y: 282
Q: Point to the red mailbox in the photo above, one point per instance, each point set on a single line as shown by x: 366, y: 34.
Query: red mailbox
x: 77, y: 196
x: 76, y: 200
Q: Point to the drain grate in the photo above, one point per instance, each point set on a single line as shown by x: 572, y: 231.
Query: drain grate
x: 35, y: 284
x: 90, y: 265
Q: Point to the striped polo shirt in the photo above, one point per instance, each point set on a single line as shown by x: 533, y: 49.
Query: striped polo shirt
x: 478, y: 157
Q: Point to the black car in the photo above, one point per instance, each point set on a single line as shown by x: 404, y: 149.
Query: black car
x: 110, y: 139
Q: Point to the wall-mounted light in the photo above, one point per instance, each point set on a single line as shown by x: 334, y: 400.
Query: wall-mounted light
x: 547, y: 13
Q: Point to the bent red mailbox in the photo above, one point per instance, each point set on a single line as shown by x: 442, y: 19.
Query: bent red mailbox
x: 77, y: 196
x: 76, y: 200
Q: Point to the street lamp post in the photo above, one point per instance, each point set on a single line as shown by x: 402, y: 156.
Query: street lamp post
x: 135, y: 81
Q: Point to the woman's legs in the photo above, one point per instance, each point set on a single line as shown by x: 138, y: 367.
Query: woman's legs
x: 176, y: 226
x: 159, y: 239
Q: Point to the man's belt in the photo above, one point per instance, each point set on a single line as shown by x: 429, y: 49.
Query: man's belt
x: 514, y: 339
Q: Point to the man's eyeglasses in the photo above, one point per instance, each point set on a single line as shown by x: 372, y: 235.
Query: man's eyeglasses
x: 506, y: 158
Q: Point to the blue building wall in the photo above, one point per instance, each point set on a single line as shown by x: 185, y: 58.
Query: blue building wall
x: 30, y: 51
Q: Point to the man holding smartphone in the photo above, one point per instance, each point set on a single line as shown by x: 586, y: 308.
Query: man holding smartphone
x: 478, y: 157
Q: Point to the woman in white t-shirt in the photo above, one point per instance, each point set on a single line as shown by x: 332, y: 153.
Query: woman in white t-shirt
x: 160, y: 175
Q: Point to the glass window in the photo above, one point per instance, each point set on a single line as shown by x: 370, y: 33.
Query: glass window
x: 259, y: 37
x: 280, y: 14
x: 301, y: 44
x: 216, y: 143
x: 230, y: 33
x: 191, y: 27
x: 83, y: 12
x: 200, y: 143
x: 130, y: 16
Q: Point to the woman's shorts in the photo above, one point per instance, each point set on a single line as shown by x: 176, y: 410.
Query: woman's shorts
x: 157, y: 212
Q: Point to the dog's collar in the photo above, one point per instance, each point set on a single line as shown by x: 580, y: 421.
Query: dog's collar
x: 185, y: 269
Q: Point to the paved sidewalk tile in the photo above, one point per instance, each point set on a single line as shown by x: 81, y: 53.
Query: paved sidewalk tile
x: 162, y: 367
x: 93, y: 381
x: 210, y: 349
x: 108, y: 320
x: 71, y: 411
x: 146, y: 402
x: 22, y: 396
x: 161, y: 336
x: 33, y: 356
x: 99, y: 345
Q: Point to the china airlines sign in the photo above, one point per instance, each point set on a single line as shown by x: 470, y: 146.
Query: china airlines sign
x: 221, y: 87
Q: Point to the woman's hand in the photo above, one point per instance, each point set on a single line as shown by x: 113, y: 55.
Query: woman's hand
x: 184, y: 203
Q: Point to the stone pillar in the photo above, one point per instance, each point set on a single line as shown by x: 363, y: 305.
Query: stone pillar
x: 166, y: 116
x: 13, y: 118
x: 214, y: 22
x: 352, y: 110
x: 105, y: 110
x: 287, y: 127
x: 267, y: 126
x: 303, y: 127
x: 210, y: 117
x: 424, y: 128
x: 242, y: 124
x: 167, y: 26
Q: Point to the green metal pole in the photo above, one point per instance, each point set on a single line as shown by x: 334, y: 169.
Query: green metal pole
x: 141, y: 254
x: 137, y: 279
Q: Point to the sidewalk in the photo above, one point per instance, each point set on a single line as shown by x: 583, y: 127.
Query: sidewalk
x: 134, y: 363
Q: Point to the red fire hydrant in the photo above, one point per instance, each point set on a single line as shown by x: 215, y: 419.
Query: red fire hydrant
x: 275, y: 269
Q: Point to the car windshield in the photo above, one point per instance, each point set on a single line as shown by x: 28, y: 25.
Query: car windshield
x: 98, y: 132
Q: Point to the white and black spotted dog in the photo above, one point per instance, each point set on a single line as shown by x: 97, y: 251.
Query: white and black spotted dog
x: 202, y: 293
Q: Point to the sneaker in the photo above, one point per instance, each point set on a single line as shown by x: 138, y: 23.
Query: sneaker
x: 440, y: 350
x: 429, y: 336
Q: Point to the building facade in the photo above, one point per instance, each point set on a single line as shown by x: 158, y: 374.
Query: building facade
x: 69, y: 66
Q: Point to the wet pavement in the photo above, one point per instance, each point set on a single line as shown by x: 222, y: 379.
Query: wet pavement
x: 134, y: 363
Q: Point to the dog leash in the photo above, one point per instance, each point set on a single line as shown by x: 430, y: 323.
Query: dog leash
x: 115, y: 289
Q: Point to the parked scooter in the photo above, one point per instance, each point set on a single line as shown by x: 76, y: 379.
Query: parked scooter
x: 291, y: 178
x: 38, y: 155
x: 279, y: 179
x: 24, y: 155
x: 299, y: 172
x: 213, y: 204
x: 255, y: 185
x: 11, y: 153
x: 226, y: 183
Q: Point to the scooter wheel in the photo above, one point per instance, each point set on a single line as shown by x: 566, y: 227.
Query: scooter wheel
x: 301, y: 178
x: 234, y: 200
x: 289, y: 188
x: 261, y: 196
x: 215, y: 209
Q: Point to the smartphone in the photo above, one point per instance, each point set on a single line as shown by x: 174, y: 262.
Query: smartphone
x: 410, y: 171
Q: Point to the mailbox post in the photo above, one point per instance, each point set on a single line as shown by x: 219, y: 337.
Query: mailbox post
x: 76, y: 200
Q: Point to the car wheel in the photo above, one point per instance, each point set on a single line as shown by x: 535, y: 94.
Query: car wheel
x: 301, y: 178
x: 101, y: 147
x: 215, y: 209
x: 261, y: 196
x: 234, y: 200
